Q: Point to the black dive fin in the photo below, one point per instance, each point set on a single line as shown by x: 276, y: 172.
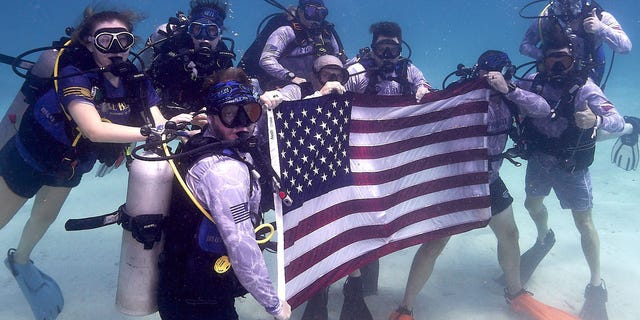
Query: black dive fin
x: 625, y: 151
x: 530, y: 260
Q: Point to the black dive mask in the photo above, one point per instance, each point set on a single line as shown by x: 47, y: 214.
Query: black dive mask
x: 387, y: 49
x: 240, y: 115
x: 558, y: 63
x: 315, y: 13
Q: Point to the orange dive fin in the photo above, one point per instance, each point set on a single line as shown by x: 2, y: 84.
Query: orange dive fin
x: 527, y: 305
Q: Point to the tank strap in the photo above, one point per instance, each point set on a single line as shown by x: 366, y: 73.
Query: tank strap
x: 145, y: 228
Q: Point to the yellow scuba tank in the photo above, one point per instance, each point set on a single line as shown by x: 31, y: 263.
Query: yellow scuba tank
x: 148, y: 199
x: 41, y: 69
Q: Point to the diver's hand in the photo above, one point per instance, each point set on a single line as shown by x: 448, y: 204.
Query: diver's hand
x: 332, y: 87
x: 592, y: 24
x: 285, y: 312
x: 200, y: 120
x: 298, y: 80
x: 497, y: 82
x: 422, y: 90
x: 586, y: 119
x: 182, y: 118
x: 271, y: 99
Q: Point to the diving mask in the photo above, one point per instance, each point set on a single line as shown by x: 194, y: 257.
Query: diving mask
x: 315, y: 13
x: 558, y: 62
x: 567, y: 7
x: 240, y: 115
x: 234, y: 103
x: 387, y: 49
x: 203, y: 31
x: 333, y: 73
x: 113, y: 40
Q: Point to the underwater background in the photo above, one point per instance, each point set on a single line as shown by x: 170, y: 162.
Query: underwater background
x: 441, y: 34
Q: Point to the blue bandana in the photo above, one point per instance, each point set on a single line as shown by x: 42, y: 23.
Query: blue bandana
x: 318, y: 3
x: 229, y: 92
x: 208, y: 14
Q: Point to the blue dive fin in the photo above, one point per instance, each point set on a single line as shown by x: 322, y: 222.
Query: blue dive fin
x: 42, y: 292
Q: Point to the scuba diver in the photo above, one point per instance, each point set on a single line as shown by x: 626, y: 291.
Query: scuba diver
x: 289, y: 51
x: 585, y: 25
x: 206, y: 263
x: 330, y: 75
x: 93, y: 108
x: 183, y: 52
x: 506, y: 104
x: 559, y: 150
x: 381, y: 69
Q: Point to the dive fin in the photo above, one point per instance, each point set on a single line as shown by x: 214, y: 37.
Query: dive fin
x: 42, y: 292
x: 625, y: 151
x: 354, y: 307
x: 524, y: 303
x: 530, y: 260
x: 316, y: 308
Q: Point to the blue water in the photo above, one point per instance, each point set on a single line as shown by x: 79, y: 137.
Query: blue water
x: 441, y: 34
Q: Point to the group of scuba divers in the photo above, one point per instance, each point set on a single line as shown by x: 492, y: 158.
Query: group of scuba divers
x: 192, y: 217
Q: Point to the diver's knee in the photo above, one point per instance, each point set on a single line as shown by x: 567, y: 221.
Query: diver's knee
x: 535, y: 206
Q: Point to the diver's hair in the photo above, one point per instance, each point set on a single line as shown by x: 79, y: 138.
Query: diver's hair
x: 386, y: 29
x: 223, y: 75
x: 91, y: 18
x: 218, y: 5
x: 556, y: 44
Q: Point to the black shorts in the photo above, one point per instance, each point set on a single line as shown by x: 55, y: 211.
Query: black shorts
x: 500, y: 197
x: 23, y: 179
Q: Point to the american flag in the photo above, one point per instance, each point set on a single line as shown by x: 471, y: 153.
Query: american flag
x: 370, y: 175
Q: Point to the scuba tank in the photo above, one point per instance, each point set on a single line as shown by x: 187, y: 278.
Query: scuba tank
x: 37, y: 80
x: 148, y: 199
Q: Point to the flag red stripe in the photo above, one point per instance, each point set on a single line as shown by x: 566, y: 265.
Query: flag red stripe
x: 398, y: 101
x: 333, y: 213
